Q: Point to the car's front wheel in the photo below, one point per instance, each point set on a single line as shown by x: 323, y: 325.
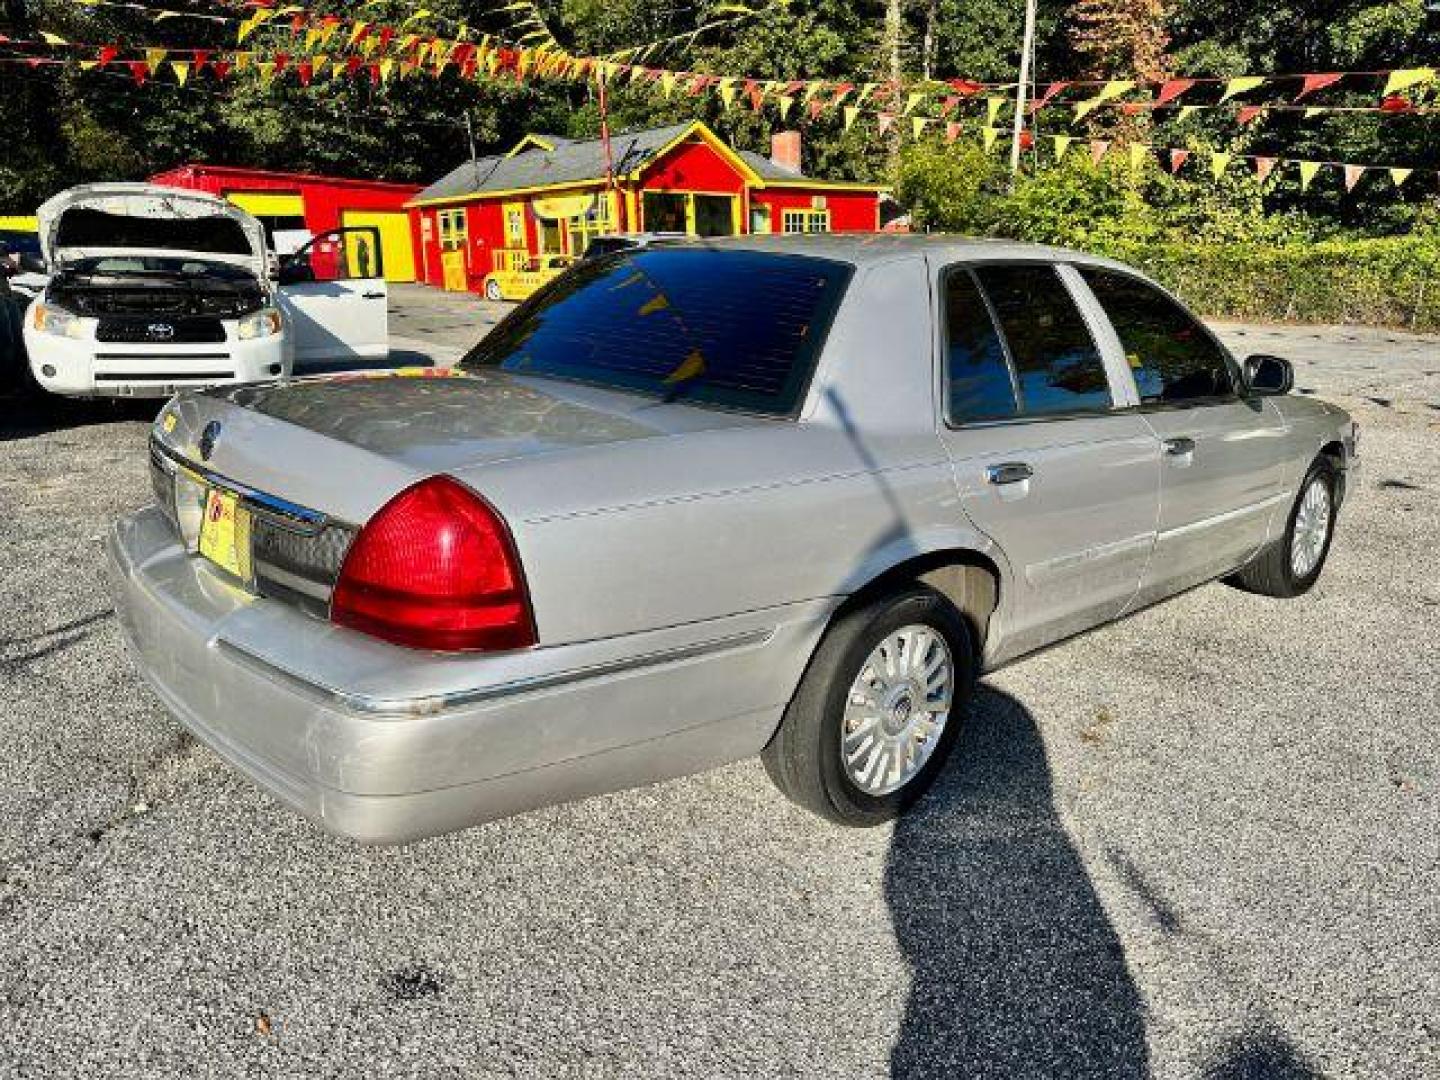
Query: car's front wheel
x: 1291, y: 565
x: 877, y: 710
x: 493, y: 291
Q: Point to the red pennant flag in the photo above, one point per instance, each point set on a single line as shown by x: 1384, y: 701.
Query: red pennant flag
x: 965, y: 87
x: 1172, y: 90
x: 1396, y: 104
x: 282, y: 61
x: 1178, y: 159
x: 306, y: 70
x: 1054, y: 90
x: 1353, y: 174
x: 794, y: 86
x: 1264, y: 166
x: 221, y: 68
x: 374, y: 70
x: 106, y: 54
x: 1027, y: 140
x: 886, y: 119
x: 139, y: 71
x: 698, y: 84
x: 952, y: 131
x: 1249, y: 113
x: 1318, y: 82
x: 1132, y: 108
x: 841, y: 89
x: 202, y: 58
x: 387, y: 35
x: 816, y: 107
x: 297, y: 24
x: 353, y: 65
x: 1098, y: 149
x: 947, y: 106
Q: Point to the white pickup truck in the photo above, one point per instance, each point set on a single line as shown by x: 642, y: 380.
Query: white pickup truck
x: 155, y: 289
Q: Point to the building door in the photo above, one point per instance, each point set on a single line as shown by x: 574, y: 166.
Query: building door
x: 453, y: 250
x: 394, y: 229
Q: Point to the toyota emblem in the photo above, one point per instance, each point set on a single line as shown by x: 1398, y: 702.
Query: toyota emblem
x: 208, y: 438
x: 160, y: 331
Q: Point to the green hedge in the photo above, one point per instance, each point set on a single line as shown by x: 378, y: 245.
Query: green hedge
x: 1385, y: 282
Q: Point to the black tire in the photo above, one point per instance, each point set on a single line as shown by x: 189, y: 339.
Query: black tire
x: 804, y: 757
x: 1271, y: 573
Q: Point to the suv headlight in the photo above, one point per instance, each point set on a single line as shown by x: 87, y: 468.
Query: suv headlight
x: 262, y: 323
x: 49, y: 319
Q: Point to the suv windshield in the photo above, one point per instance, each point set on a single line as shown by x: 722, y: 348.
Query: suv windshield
x: 728, y: 328
x: 143, y: 265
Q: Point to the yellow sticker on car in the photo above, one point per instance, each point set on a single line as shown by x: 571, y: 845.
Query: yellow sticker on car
x: 225, y: 534
x: 169, y: 422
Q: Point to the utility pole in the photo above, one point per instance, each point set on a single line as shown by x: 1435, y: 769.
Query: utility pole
x: 474, y: 157
x: 1027, y: 52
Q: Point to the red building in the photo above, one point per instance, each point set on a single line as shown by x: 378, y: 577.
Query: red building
x: 551, y: 195
x: 300, y: 202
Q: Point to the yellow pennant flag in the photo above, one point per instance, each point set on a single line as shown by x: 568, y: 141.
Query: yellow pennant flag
x: 917, y: 125
x: 1313, y: 112
x: 1308, y: 171
x: 356, y: 31
x: 312, y: 38
x: 153, y: 59
x: 53, y: 39
x: 182, y: 71
x: 912, y: 101
x: 851, y: 112
x: 1187, y: 111
x: 387, y: 68
x: 1406, y: 78
x: 1139, y: 154
x: 811, y: 89
x: 1114, y: 89
x: 1399, y: 176
x: 991, y: 136
x: 667, y: 83
x: 865, y: 91
x: 318, y: 63
x: 1242, y: 85
x: 266, y: 68
x: 241, y: 60
x: 992, y: 109
x: 727, y: 92
x: 786, y: 104
x: 1219, y: 162
x: 1062, y: 145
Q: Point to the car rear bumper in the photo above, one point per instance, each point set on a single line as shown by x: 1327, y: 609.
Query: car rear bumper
x: 383, y: 744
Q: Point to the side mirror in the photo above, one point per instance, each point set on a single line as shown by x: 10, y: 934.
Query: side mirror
x: 1269, y: 375
x: 294, y: 272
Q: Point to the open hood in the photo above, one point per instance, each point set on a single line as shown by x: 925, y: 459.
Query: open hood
x: 116, y: 219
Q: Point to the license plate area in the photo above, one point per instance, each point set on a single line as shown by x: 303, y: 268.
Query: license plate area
x: 225, y: 535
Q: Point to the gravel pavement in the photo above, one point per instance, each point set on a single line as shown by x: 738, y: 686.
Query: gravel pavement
x: 1200, y: 843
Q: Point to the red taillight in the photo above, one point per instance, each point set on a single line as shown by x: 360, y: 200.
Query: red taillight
x: 435, y: 568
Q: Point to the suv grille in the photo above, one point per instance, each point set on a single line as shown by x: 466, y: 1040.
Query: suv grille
x: 161, y: 331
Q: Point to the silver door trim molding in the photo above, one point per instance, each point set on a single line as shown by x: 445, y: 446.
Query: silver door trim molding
x: 1225, y: 518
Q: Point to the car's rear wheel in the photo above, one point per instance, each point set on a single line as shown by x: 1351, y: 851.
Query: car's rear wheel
x: 1291, y: 566
x: 493, y: 291
x: 877, y: 711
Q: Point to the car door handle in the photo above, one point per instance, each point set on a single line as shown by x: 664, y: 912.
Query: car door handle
x: 1179, y: 447
x: 372, y: 296
x: 1011, y: 472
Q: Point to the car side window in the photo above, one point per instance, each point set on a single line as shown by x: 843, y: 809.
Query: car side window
x: 1057, y: 365
x: 977, y: 374
x: 1174, y: 359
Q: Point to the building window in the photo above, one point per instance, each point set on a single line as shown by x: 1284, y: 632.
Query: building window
x: 452, y: 230
x: 514, y: 226
x: 585, y: 227
x: 805, y: 221
x: 760, y: 222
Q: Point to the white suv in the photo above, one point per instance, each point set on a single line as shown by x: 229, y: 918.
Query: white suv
x: 155, y: 289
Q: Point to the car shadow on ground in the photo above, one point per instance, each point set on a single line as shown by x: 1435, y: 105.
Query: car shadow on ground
x: 1016, y: 969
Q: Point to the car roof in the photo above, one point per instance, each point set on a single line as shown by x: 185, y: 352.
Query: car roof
x: 861, y: 249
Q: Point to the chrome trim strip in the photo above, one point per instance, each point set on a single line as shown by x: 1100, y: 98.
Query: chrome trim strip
x: 281, y: 511
x: 440, y: 703
x: 1223, y: 519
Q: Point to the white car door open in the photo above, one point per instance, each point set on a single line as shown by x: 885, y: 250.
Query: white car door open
x: 334, y: 297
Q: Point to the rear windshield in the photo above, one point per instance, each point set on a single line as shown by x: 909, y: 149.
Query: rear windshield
x: 732, y: 329
x: 604, y: 245
x: 85, y: 227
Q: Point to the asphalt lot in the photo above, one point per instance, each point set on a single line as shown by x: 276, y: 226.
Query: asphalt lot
x: 1202, y: 842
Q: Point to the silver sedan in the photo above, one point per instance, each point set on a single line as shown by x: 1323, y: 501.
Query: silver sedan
x: 782, y: 495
